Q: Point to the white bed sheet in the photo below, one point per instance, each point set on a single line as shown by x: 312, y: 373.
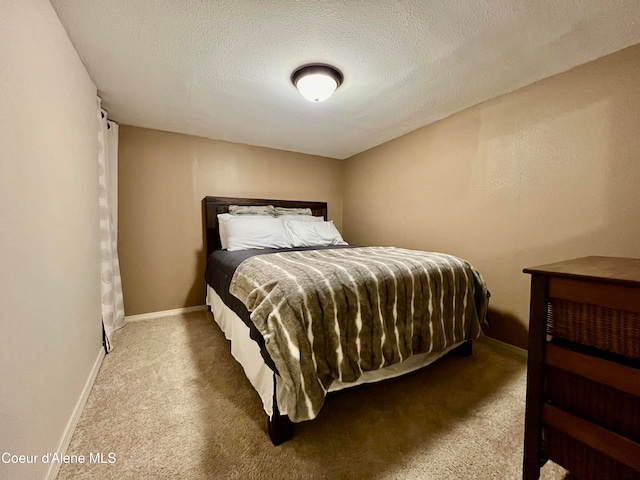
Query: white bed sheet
x: 247, y: 353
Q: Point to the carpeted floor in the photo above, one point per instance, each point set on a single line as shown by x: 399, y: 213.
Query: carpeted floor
x: 171, y: 402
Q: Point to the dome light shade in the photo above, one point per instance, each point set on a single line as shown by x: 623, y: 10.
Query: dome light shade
x: 316, y: 83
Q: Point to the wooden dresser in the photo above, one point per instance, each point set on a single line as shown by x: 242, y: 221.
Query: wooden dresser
x: 583, y: 378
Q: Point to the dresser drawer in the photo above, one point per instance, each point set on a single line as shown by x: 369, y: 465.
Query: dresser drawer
x: 614, y: 330
x: 606, y: 406
x: 584, y: 462
x: 600, y: 391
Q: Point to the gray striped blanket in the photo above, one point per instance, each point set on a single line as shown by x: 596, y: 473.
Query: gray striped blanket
x: 333, y: 314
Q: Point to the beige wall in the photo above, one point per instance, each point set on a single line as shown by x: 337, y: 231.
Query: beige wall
x: 50, y: 313
x: 549, y: 172
x: 163, y: 178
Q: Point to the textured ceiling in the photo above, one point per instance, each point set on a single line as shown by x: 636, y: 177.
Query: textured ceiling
x: 220, y: 68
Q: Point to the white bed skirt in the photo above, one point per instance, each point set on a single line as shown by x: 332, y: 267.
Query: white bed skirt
x: 247, y: 353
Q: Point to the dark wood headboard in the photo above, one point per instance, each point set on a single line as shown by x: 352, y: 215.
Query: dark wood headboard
x: 212, y: 206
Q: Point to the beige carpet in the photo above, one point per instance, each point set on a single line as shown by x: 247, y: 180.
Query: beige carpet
x: 171, y: 402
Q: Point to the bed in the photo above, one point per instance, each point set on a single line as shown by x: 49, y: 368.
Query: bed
x: 306, y: 320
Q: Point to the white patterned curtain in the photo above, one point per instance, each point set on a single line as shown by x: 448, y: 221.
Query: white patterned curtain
x: 112, y: 301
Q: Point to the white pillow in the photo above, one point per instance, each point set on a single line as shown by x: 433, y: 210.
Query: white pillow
x: 245, y: 232
x: 223, y: 219
x: 301, y: 218
x: 310, y: 234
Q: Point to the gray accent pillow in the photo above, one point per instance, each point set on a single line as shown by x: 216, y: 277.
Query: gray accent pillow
x: 292, y: 211
x: 300, y: 218
x: 252, y: 210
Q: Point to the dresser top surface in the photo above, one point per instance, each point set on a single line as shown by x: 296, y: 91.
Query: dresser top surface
x: 612, y: 269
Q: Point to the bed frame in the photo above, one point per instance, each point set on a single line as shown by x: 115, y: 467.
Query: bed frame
x: 280, y: 428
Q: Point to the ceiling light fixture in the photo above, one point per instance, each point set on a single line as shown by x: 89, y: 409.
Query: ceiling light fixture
x: 316, y: 82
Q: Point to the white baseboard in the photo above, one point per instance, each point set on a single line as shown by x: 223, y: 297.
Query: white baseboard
x: 164, y: 313
x: 505, y: 346
x: 75, y: 416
